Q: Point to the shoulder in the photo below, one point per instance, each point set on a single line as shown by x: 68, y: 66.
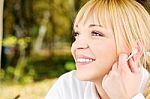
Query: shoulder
x: 144, y: 80
x: 68, y: 75
x: 67, y: 86
x: 70, y: 79
x: 145, y: 75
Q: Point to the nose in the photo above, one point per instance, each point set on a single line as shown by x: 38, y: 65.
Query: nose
x: 80, y: 44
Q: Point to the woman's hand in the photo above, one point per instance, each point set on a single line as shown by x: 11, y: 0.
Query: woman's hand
x: 123, y: 81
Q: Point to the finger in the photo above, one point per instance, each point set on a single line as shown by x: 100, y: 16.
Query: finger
x: 114, y: 67
x: 104, y: 81
x: 123, y: 64
x: 104, y: 78
x: 134, y: 68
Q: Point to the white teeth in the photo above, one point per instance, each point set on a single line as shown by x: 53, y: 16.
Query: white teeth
x: 84, y: 60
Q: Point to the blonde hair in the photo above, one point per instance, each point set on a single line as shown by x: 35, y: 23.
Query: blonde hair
x: 129, y: 21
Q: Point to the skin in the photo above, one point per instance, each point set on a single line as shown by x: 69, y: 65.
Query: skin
x: 95, y: 41
x: 124, y: 77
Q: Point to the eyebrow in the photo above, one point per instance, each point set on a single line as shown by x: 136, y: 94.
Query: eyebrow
x: 76, y: 25
x: 91, y: 25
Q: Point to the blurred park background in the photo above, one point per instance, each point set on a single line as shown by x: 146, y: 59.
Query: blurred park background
x: 36, y: 41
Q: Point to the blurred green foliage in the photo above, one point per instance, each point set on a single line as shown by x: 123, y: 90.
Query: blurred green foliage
x: 37, y: 38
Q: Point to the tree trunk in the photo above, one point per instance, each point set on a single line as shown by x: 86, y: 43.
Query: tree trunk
x: 42, y: 32
x: 1, y: 28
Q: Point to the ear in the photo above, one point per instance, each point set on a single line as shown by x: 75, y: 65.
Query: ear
x: 140, y: 50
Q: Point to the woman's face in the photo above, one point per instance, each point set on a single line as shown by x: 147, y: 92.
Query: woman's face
x: 94, y: 49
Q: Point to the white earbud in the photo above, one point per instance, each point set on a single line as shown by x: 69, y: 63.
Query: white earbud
x: 133, y: 53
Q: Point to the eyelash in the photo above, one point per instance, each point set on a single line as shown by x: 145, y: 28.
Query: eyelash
x: 93, y: 33
x: 75, y: 34
x: 97, y: 33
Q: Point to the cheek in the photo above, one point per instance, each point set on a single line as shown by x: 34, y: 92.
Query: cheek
x: 105, y: 54
x: 105, y: 50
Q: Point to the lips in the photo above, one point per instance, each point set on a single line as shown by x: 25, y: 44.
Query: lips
x: 83, y: 60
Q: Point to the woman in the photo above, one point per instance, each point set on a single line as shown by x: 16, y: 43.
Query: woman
x: 106, y: 33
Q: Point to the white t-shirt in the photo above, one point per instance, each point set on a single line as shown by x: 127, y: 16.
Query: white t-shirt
x: 69, y: 87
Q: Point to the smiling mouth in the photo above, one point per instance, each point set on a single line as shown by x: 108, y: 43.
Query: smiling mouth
x: 84, y: 61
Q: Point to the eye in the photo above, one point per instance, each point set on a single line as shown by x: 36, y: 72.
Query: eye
x: 96, y: 33
x: 75, y: 34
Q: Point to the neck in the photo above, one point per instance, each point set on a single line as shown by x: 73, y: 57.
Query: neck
x: 100, y: 91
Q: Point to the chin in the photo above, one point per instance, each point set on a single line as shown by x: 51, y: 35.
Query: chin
x: 84, y: 76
